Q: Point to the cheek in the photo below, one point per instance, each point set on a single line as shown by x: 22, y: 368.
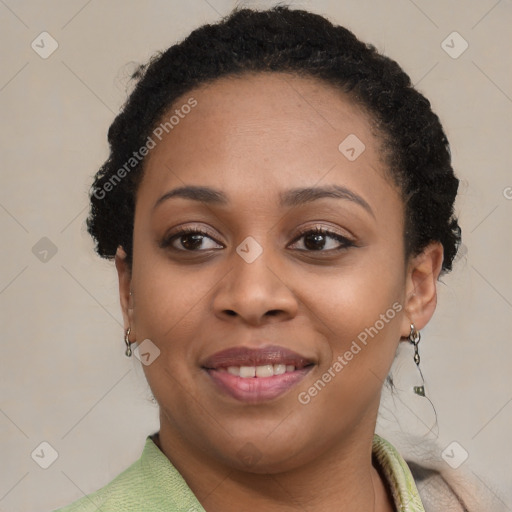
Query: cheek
x: 170, y: 302
x: 354, y: 296
x: 170, y: 311
x: 358, y: 310
x: 360, y: 319
x: 161, y: 308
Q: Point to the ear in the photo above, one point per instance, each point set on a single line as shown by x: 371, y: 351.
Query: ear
x: 421, y: 287
x: 124, y: 275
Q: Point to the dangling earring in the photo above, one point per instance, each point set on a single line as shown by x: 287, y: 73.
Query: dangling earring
x: 127, y: 341
x: 414, y: 338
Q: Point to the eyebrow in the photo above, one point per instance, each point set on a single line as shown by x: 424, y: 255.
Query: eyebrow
x: 289, y: 198
x: 298, y: 196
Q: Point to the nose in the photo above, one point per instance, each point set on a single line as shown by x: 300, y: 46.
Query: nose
x: 255, y: 293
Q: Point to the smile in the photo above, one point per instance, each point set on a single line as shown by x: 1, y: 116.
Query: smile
x: 256, y: 375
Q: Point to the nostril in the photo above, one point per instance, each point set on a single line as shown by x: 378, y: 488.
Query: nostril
x: 273, y: 312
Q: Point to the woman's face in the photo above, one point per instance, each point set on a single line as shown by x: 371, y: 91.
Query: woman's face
x: 257, y: 288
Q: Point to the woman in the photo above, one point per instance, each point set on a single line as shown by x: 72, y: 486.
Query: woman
x: 278, y: 201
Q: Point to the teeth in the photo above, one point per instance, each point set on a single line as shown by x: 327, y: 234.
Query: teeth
x: 279, y: 369
x: 247, y: 371
x: 267, y: 370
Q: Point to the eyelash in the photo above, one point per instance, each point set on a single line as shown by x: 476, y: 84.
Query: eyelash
x: 344, y: 242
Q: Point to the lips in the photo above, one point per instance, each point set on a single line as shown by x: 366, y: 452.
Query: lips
x: 244, y: 356
x: 255, y: 375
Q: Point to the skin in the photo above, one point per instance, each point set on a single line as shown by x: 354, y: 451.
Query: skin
x: 253, y: 137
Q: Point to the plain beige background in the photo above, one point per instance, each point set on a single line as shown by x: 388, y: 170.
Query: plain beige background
x: 64, y: 377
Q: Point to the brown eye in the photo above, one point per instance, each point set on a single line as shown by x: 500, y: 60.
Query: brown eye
x: 318, y: 239
x: 189, y: 239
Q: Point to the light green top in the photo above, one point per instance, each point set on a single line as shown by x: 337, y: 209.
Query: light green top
x: 153, y: 484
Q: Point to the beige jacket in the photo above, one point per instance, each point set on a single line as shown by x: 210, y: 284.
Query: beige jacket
x: 444, y: 489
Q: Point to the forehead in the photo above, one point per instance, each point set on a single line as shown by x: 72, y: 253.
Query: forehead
x: 264, y: 132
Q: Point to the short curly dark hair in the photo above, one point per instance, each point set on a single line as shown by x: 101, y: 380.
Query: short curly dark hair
x: 308, y: 45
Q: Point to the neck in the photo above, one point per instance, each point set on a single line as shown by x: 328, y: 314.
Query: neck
x: 342, y: 479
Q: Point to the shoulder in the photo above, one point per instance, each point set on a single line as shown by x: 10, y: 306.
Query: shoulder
x: 150, y: 484
x: 114, y: 496
x: 442, y: 487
